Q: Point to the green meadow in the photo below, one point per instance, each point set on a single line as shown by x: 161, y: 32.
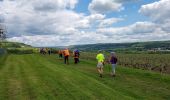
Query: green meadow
x: 44, y: 77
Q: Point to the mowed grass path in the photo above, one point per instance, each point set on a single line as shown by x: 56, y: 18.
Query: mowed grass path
x: 39, y: 77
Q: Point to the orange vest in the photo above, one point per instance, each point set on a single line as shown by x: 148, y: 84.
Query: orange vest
x: 66, y: 52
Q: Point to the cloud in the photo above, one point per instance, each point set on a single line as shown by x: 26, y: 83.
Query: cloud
x: 157, y: 11
x: 60, y: 40
x: 90, y: 20
x: 134, y: 29
x: 2, y: 18
x: 104, y: 6
x: 41, y: 25
x: 166, y: 26
x: 37, y: 40
x: 109, y: 21
x: 124, y: 1
x: 55, y: 23
x: 94, y: 17
x: 137, y: 32
x: 53, y: 5
x: 59, y: 20
x: 25, y: 20
x: 157, y: 29
x: 143, y: 27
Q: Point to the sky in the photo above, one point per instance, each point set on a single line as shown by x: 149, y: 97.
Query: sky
x: 71, y: 22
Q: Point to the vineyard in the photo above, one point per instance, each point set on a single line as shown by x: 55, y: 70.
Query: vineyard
x: 155, y: 62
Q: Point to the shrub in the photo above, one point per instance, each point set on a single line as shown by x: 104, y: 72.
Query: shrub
x: 20, y: 51
x: 2, y: 51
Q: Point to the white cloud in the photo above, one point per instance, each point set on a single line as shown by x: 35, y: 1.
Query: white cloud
x: 124, y: 1
x: 166, y: 26
x: 104, y: 6
x: 21, y: 17
x: 89, y: 21
x: 143, y: 27
x: 157, y: 11
x: 60, y: 40
x: 54, y: 23
x: 53, y: 5
x: 42, y: 25
x: 109, y: 21
x: 38, y: 40
x: 29, y: 18
x: 94, y: 17
x: 137, y: 32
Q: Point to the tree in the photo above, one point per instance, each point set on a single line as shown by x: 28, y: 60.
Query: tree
x: 2, y: 33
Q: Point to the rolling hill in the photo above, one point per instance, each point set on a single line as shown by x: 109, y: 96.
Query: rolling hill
x: 138, y: 46
x: 13, y: 45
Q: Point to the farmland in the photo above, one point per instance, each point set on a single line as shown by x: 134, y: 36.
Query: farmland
x: 153, y: 62
x: 28, y: 75
x: 84, y: 49
x: 42, y: 77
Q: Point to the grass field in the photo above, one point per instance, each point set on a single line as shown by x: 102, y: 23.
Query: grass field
x: 43, y: 77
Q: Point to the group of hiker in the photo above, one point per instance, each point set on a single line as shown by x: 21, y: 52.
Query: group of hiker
x: 65, y: 53
x: 101, y: 62
x: 45, y: 51
x: 100, y: 58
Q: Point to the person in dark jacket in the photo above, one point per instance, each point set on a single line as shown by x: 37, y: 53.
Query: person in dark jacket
x: 49, y: 51
x: 76, y: 55
x: 113, y: 61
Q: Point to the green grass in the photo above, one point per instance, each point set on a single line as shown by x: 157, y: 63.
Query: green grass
x: 39, y: 77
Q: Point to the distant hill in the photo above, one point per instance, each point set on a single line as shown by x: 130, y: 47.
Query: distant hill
x: 136, y: 46
x: 13, y: 45
x: 139, y: 46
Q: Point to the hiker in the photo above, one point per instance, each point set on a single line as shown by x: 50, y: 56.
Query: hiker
x: 76, y: 55
x: 60, y: 53
x: 113, y: 61
x: 66, y: 56
x: 100, y: 58
x: 42, y: 51
x: 49, y: 51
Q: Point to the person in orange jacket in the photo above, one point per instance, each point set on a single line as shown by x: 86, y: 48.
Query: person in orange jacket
x: 60, y: 53
x: 66, y: 56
